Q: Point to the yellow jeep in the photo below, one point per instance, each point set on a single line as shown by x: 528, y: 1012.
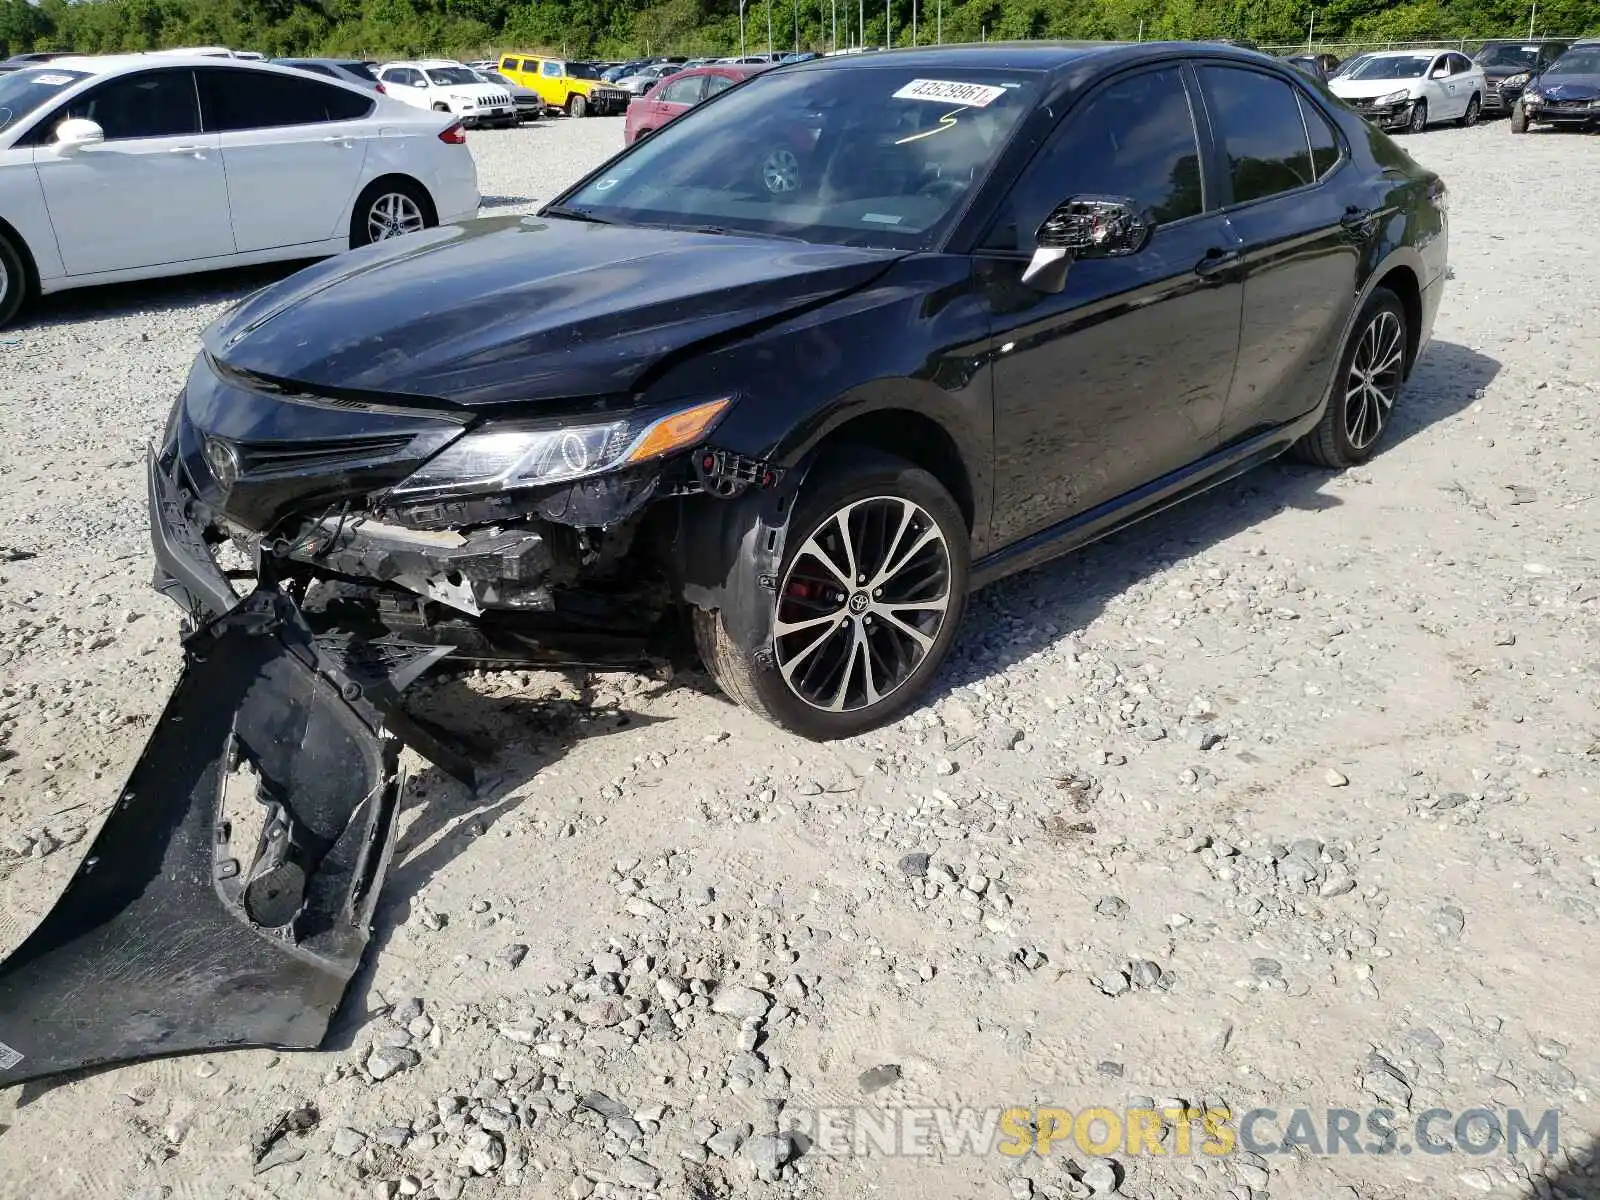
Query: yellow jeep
x: 574, y: 88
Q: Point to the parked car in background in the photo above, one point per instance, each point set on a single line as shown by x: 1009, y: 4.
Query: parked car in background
x: 646, y: 78
x: 566, y: 87
x: 346, y: 70
x: 802, y: 56
x: 810, y: 414
x: 1566, y: 95
x: 678, y: 95
x: 529, y: 106
x: 448, y: 87
x: 1412, y: 89
x: 1508, y: 66
x: 136, y: 166
x: 1318, y: 66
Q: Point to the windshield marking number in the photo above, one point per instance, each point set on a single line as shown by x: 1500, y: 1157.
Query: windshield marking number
x: 947, y: 91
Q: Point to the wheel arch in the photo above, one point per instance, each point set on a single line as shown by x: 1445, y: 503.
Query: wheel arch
x: 389, y: 179
x: 909, y: 434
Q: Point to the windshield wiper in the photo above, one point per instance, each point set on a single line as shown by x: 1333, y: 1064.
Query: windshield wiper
x: 575, y: 214
x: 724, y: 231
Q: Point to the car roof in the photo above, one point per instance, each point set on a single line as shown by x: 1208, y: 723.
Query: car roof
x: 742, y: 70
x: 1418, y: 52
x: 116, y: 64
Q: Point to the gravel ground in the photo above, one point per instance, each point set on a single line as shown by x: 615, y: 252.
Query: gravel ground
x: 1281, y: 800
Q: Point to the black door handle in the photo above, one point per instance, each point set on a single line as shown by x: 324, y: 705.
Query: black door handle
x: 1216, y: 261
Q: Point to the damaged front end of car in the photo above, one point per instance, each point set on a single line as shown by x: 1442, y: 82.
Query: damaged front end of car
x: 227, y: 899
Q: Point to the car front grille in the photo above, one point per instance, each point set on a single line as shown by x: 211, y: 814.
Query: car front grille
x: 258, y: 459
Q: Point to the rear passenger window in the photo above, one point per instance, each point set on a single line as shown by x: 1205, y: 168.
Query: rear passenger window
x: 717, y: 83
x: 1324, y: 142
x: 234, y: 100
x: 1258, y: 125
x: 552, y: 70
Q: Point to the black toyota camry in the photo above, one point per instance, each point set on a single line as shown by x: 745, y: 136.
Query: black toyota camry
x: 798, y: 371
x: 814, y: 361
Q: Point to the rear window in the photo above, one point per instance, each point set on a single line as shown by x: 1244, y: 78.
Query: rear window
x: 361, y: 70
x: 21, y: 92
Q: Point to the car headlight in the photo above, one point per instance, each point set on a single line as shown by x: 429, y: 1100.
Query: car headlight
x: 506, y: 456
x: 1514, y: 80
x: 1399, y: 97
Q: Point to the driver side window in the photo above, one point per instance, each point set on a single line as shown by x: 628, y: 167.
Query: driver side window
x: 149, y: 105
x: 1134, y: 138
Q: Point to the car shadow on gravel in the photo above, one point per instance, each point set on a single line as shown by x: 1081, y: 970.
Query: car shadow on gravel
x: 1031, y: 612
x: 511, y: 739
x: 113, y: 300
x: 1579, y: 1179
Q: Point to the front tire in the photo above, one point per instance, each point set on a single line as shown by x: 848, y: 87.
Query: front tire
x: 870, y: 595
x: 1371, y: 372
x: 1519, y: 119
x: 390, y: 208
x: 1470, y: 117
x: 1419, y: 117
x: 577, y: 106
x: 13, y: 281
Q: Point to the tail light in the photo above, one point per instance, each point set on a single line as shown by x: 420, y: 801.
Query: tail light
x: 1439, y: 195
x: 456, y: 135
x: 382, y: 91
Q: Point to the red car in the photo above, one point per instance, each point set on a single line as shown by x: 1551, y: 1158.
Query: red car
x: 673, y: 97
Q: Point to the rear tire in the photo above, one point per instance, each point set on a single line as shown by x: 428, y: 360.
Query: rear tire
x: 390, y: 208
x: 866, y: 644
x: 13, y: 280
x: 1365, y: 390
x: 577, y: 106
x: 1470, y: 117
x: 1519, y: 119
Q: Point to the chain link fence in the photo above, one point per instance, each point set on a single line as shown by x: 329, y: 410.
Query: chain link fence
x: 1467, y: 46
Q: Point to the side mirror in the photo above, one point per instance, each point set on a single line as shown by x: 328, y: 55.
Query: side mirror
x: 1439, y: 73
x: 75, y: 133
x: 1085, y: 227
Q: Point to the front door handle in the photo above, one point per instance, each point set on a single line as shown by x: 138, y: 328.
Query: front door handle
x: 190, y: 151
x: 336, y: 141
x: 1216, y: 261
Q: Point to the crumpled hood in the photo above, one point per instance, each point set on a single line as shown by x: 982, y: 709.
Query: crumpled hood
x: 1568, y: 87
x: 508, y: 309
x: 1368, y: 89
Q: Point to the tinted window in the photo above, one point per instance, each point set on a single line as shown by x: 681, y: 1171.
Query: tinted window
x: 235, y: 100
x: 1324, y: 142
x: 1458, y: 64
x: 1259, y: 129
x: 717, y: 83
x: 1134, y: 138
x: 153, y: 104
x: 682, y: 91
x: 359, y: 69
x: 318, y: 68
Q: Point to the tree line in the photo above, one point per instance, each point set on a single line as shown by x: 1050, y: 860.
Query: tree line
x: 622, y: 28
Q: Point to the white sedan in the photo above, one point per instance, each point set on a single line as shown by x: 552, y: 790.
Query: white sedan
x: 137, y: 166
x: 1412, y: 89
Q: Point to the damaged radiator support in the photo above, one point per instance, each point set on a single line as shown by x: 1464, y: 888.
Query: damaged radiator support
x: 227, y: 899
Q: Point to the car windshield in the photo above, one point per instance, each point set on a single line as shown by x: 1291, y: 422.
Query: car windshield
x: 23, y: 91
x: 581, y: 71
x: 1350, y: 64
x: 1517, y: 58
x: 445, y: 76
x: 872, y: 157
x: 495, y: 77
x: 1580, y: 60
x: 1406, y: 66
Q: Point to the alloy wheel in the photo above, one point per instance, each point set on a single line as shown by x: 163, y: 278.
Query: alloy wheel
x: 5, y: 283
x: 1471, y: 115
x: 392, y: 215
x: 1374, y: 381
x: 1419, y: 116
x: 781, y: 172
x: 862, y: 604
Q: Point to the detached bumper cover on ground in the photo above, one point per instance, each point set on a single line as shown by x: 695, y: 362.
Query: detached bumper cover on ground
x: 227, y: 899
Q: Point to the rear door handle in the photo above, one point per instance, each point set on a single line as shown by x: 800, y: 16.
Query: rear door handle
x: 336, y: 141
x: 191, y: 151
x: 1216, y: 262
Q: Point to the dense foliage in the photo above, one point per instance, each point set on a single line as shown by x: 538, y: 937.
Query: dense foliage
x: 615, y: 28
